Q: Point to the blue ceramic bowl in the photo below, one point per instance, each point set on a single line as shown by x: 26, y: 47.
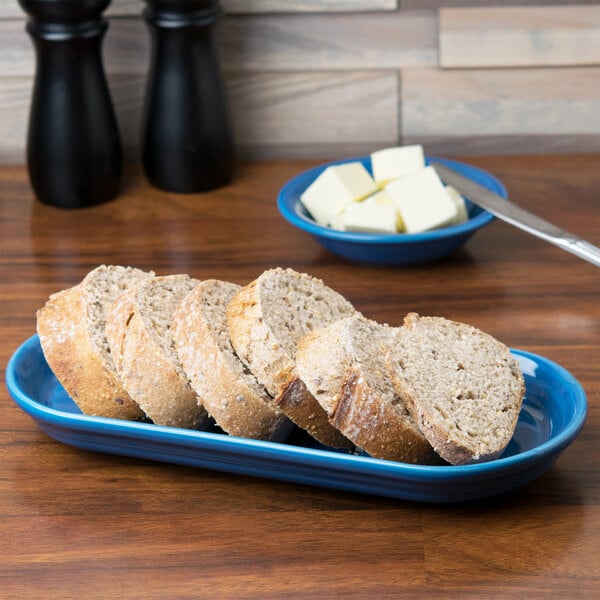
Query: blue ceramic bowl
x: 396, y: 249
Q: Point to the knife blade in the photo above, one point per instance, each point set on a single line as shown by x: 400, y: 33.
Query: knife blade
x: 519, y: 217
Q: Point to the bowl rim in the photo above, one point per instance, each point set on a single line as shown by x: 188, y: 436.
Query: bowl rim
x: 290, y: 207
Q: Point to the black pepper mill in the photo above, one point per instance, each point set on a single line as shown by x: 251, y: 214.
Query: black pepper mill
x: 73, y: 144
x: 187, y: 143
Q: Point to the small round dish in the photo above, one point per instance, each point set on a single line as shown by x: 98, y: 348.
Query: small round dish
x: 396, y: 249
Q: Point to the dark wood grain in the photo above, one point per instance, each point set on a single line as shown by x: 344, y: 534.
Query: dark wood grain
x: 76, y: 524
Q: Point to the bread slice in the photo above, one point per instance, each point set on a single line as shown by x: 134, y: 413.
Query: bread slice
x: 343, y: 366
x: 230, y: 393
x: 462, y: 386
x: 138, y: 329
x: 71, y: 328
x: 266, y: 319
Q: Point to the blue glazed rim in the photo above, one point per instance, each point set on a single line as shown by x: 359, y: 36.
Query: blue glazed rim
x: 290, y: 207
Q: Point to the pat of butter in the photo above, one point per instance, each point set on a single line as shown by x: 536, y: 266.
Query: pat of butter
x: 391, y: 163
x: 337, y: 222
x: 462, y: 216
x: 422, y: 200
x: 370, y: 217
x: 335, y: 188
x: 379, y: 197
x: 383, y: 197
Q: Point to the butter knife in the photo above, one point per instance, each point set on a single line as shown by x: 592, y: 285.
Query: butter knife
x: 519, y: 217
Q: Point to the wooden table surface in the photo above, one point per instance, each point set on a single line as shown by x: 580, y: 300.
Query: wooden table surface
x: 78, y: 524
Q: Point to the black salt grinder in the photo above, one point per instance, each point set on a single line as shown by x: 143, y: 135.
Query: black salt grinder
x: 187, y: 142
x: 73, y: 144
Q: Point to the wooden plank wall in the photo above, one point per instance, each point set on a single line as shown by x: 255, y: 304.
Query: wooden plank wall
x: 329, y: 78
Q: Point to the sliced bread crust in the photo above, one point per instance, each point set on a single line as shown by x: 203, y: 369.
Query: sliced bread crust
x: 343, y: 367
x: 71, y: 328
x: 230, y: 393
x: 265, y: 320
x: 138, y: 329
x: 462, y: 386
x: 296, y: 401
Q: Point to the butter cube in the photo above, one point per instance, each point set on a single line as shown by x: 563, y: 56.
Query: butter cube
x: 391, y: 163
x: 370, y: 218
x: 337, y: 222
x: 379, y: 197
x: 335, y: 188
x: 383, y: 197
x: 422, y: 200
x: 462, y: 216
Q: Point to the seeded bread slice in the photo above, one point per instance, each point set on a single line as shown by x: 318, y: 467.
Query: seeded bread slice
x: 265, y: 320
x: 138, y: 328
x: 71, y: 328
x: 343, y: 367
x: 230, y: 393
x: 462, y: 386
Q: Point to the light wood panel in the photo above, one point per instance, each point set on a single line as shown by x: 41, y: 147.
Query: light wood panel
x: 11, y: 9
x: 15, y: 95
x: 504, y: 144
x: 527, y: 36
x: 284, y: 6
x: 268, y: 43
x: 434, y: 4
x: 294, y: 114
x: 314, y: 115
x: 315, y: 42
x: 532, y: 101
x: 503, y: 108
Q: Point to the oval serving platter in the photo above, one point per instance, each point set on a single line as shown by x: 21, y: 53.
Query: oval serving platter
x: 553, y: 414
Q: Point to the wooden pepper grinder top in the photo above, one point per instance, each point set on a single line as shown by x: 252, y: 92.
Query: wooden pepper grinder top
x: 187, y: 143
x: 73, y: 145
